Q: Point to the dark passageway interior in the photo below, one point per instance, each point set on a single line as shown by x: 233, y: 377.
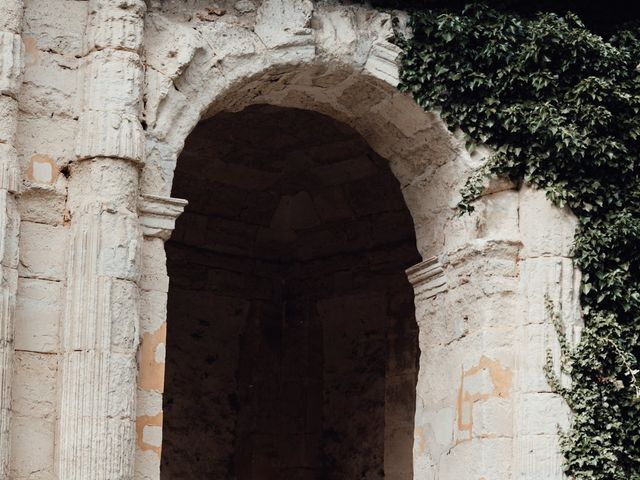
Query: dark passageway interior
x: 292, y: 342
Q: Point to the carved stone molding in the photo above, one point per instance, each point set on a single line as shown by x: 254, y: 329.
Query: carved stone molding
x: 110, y: 134
x: 113, y: 26
x: 11, y: 58
x: 282, y: 23
x: 427, y: 278
x: 158, y: 215
x: 111, y: 76
x: 382, y: 62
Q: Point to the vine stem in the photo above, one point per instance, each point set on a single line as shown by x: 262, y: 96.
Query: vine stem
x: 630, y: 371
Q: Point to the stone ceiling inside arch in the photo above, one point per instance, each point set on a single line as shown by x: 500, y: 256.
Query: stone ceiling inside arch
x: 287, y: 184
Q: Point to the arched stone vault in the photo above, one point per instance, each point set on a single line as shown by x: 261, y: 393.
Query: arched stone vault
x: 472, y: 416
x: 148, y: 72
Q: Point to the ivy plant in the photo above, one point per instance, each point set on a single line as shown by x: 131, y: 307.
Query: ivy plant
x: 560, y: 107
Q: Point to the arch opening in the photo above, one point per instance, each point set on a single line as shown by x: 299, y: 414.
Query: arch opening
x: 292, y: 346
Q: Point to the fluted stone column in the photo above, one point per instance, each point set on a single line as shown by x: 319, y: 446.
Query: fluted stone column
x: 466, y: 303
x: 96, y: 429
x: 157, y: 218
x: 11, y: 64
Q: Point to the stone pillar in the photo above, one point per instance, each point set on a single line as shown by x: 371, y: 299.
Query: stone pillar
x: 99, y: 338
x: 484, y: 408
x: 466, y: 303
x: 157, y: 218
x: 546, y: 273
x: 11, y: 64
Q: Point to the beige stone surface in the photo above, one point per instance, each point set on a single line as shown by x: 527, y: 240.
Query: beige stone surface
x: 97, y: 100
x: 38, y: 314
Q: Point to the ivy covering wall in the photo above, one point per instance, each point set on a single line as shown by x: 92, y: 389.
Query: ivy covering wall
x: 560, y: 106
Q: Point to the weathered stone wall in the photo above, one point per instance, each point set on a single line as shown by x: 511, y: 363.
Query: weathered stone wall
x: 47, y: 121
x: 97, y: 99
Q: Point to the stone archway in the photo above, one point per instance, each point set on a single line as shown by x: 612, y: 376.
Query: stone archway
x: 292, y: 341
x: 483, y: 339
x: 144, y: 74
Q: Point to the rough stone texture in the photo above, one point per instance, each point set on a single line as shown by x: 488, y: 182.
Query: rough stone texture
x: 99, y: 334
x: 97, y: 99
x: 11, y: 68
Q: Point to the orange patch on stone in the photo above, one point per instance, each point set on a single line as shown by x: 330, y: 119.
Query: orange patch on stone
x: 501, y: 381
x: 147, y: 421
x: 420, y: 441
x: 32, y: 54
x: 151, y: 373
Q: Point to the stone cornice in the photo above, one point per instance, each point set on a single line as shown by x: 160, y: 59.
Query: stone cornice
x: 427, y: 278
x: 158, y: 215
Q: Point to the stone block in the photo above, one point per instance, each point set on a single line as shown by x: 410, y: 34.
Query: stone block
x: 153, y: 268
x: 147, y: 465
x: 434, y: 431
x: 116, y: 26
x: 546, y: 230
x: 498, y: 216
x: 10, y: 233
x: 49, y: 86
x: 57, y: 26
x: 152, y: 435
x: 540, y: 414
x: 11, y: 63
x: 35, y: 385
x: 537, y: 456
x: 164, y: 34
x: 119, y: 245
x: 480, y: 458
x: 9, y: 115
x: 110, y: 134
x: 124, y: 320
x: 281, y: 23
x: 121, y: 382
x: 555, y: 278
x: 337, y: 34
x: 11, y: 16
x: 42, y: 251
x: 153, y: 311
x: 493, y: 418
x: 43, y: 135
x: 105, y: 187
x: 382, y: 62
x: 9, y: 171
x: 112, y: 81
x: 149, y: 403
x: 536, y: 341
x: 46, y: 206
x: 295, y: 212
x: 38, y: 315
x: 32, y: 448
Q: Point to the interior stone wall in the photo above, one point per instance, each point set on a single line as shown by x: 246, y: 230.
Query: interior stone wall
x: 292, y: 342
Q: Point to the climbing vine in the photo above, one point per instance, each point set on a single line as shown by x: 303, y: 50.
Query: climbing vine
x: 560, y: 106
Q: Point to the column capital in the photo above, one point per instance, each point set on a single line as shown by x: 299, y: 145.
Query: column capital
x: 158, y: 215
x: 427, y: 278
